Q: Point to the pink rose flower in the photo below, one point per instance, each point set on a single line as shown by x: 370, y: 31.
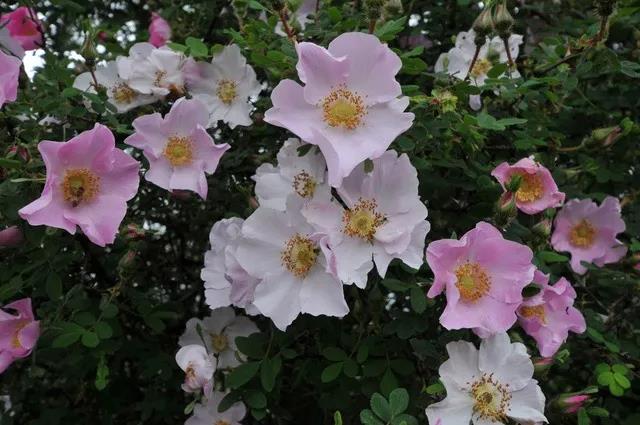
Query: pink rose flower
x: 483, y: 275
x: 349, y: 105
x: 178, y: 147
x: 159, y: 30
x: 549, y: 315
x: 11, y: 237
x: 588, y: 232
x: 23, y: 28
x: 19, y: 332
x: 9, y: 74
x: 538, y: 191
x: 88, y: 184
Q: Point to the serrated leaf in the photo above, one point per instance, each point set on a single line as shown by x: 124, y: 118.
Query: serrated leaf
x: 605, y: 378
x: 398, y: 401
x: 242, y: 374
x: 488, y: 122
x: 90, y: 339
x: 256, y: 399
x: 418, y: 300
x: 269, y: 370
x: 380, y: 407
x: 368, y: 418
x: 622, y: 380
x: 583, y: 417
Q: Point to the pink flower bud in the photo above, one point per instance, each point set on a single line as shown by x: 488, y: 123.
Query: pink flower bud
x: 159, y: 30
x: 11, y: 237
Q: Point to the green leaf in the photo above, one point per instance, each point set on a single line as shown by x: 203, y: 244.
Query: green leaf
x: 177, y: 47
x: 396, y: 285
x: 269, y: 370
x: 331, y: 372
x: 368, y: 418
x: 404, y: 419
x: 256, y: 399
x: 398, y: 401
x: 390, y: 29
x: 389, y: 382
x: 601, y: 368
x: 436, y: 388
x: 490, y: 123
x: 197, y: 47
x: 418, y: 300
x: 109, y: 311
x: 242, y: 374
x: 54, y: 286
x: 253, y: 346
x: 228, y: 401
x: 337, y: 418
x: 253, y: 4
x: 622, y: 380
x: 334, y: 354
x: 616, y: 389
x: 90, y: 339
x: 583, y: 417
x: 362, y: 354
x: 497, y: 70
x: 630, y: 69
x: 619, y: 368
x: 71, y: 333
x: 598, y: 411
x: 102, y: 374
x: 103, y: 330
x: 605, y: 378
x: 350, y: 368
x: 552, y: 257
x: 511, y: 121
x: 381, y: 407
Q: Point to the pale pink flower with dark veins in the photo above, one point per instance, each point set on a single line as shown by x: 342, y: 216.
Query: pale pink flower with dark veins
x: 19, y: 332
x: 349, y: 105
x: 549, y: 315
x: 88, y: 184
x: 279, y: 248
x: 588, y: 232
x: 483, y: 275
x: 225, y: 281
x: 23, y: 28
x: 178, y: 147
x: 206, y: 412
x: 9, y: 74
x: 159, y: 30
x: 537, y: 192
x: 198, y: 366
x: 384, y: 219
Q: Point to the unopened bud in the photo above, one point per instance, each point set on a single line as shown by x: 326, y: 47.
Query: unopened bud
x: 11, y: 237
x: 605, y: 7
x: 503, y: 21
x: 133, y: 232
x: 19, y: 152
x: 506, y: 209
x: 606, y: 136
x: 483, y: 26
x: 128, y: 260
x: 373, y: 9
x: 445, y: 100
x: 542, y: 229
x: 541, y: 365
x: 569, y: 404
x: 278, y: 5
x: 393, y: 8
x: 88, y: 51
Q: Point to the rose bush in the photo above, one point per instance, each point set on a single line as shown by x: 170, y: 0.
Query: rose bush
x: 323, y: 212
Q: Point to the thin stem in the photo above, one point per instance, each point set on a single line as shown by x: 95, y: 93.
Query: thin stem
x: 506, y: 47
x: 603, y: 29
x: 93, y: 77
x: 473, y: 61
x: 285, y: 25
x: 372, y: 26
x: 31, y: 8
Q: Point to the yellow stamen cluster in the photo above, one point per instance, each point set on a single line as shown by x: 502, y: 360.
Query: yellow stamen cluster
x: 304, y: 185
x: 481, y: 67
x: 219, y: 342
x: 227, y: 91
x: 531, y: 188
x: 15, y: 340
x: 159, y: 77
x: 190, y: 373
x: 299, y: 255
x: 473, y: 283
x: 583, y: 234
x: 343, y: 108
x: 536, y: 311
x: 122, y: 93
x: 362, y: 220
x: 79, y: 185
x: 221, y: 422
x: 490, y: 399
x: 179, y: 151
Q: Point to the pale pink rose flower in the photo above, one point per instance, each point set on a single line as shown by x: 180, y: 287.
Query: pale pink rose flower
x: 89, y: 182
x: 549, y: 315
x: 9, y: 75
x: 206, y: 412
x: 179, y: 149
x: 225, y: 281
x: 483, y: 275
x: 588, y: 232
x: 19, y: 332
x: 23, y: 28
x: 349, y: 106
x: 384, y: 219
x: 198, y: 367
x: 537, y: 192
x: 159, y: 30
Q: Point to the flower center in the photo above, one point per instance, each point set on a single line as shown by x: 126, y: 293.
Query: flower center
x: 473, y: 282
x: 531, y: 188
x: 362, y: 220
x: 490, y: 399
x: 122, y: 93
x: 343, y: 108
x: 304, y: 184
x: 219, y: 342
x: 481, y: 67
x: 179, y: 151
x: 159, y: 77
x: 227, y: 91
x: 299, y: 255
x: 15, y: 340
x: 190, y: 373
x: 221, y: 422
x: 582, y: 234
x: 536, y: 311
x: 80, y: 185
